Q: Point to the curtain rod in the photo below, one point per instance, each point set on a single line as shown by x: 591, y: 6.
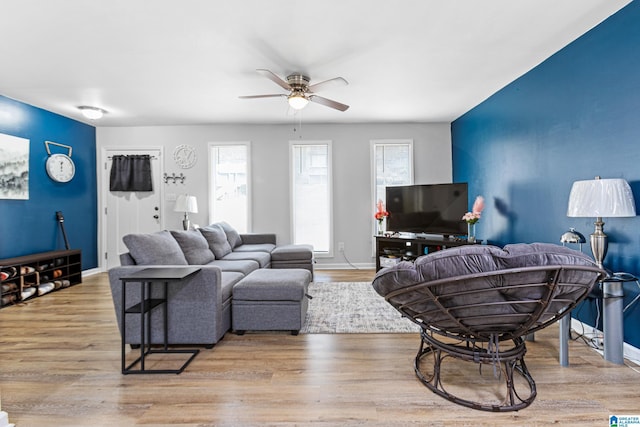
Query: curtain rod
x: 151, y: 157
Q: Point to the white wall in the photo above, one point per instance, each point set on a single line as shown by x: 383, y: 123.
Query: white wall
x: 352, y: 204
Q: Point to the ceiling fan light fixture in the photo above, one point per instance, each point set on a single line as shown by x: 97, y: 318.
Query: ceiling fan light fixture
x: 300, y: 92
x: 297, y: 100
x: 91, y: 113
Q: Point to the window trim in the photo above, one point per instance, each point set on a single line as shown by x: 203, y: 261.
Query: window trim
x: 386, y: 142
x: 329, y: 144
x: 382, y: 142
x: 210, y: 147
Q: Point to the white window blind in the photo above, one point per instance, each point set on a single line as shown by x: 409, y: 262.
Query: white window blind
x: 311, y: 194
x: 229, y: 184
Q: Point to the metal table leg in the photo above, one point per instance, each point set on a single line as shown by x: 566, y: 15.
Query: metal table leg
x: 565, y: 328
x: 612, y: 321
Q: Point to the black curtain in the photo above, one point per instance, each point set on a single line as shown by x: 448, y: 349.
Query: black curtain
x: 131, y: 173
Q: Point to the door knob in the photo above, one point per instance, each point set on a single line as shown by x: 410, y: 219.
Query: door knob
x: 156, y: 216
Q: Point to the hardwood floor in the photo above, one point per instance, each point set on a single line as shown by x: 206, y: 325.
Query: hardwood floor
x: 60, y: 366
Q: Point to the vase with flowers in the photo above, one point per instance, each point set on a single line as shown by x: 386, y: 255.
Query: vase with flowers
x: 380, y: 215
x: 473, y: 217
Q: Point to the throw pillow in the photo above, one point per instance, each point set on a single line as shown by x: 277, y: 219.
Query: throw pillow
x: 156, y: 248
x: 194, y: 246
x: 232, y: 235
x: 217, y: 239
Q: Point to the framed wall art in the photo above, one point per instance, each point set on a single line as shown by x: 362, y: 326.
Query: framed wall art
x: 14, y: 167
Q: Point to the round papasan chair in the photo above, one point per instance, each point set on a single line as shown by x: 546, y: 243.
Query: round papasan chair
x: 477, y: 303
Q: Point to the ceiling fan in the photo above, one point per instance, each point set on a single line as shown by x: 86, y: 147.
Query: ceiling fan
x: 300, y: 92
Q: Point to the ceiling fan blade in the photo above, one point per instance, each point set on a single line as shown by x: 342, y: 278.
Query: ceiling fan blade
x: 331, y: 82
x: 328, y: 102
x: 261, y: 96
x: 273, y: 77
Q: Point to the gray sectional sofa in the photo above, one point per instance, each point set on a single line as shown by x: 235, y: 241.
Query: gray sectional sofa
x: 200, y: 307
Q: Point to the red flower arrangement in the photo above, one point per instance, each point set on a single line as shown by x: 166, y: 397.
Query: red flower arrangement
x: 381, y: 214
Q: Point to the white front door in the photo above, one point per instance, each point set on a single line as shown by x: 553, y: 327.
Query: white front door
x: 128, y: 212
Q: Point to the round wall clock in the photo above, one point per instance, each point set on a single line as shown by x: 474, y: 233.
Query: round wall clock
x: 60, y: 168
x: 185, y: 156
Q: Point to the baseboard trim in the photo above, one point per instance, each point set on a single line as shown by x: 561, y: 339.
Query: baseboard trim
x: 344, y: 266
x: 91, y: 272
x: 630, y: 352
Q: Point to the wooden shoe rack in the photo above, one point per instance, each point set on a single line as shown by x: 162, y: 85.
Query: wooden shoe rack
x: 31, y: 276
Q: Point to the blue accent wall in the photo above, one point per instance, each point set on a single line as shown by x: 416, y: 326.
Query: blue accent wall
x: 575, y: 116
x: 30, y: 226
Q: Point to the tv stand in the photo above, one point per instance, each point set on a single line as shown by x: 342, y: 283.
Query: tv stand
x: 393, y: 249
x: 423, y: 236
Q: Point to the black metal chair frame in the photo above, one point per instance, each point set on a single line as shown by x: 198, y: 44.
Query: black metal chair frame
x: 471, y: 340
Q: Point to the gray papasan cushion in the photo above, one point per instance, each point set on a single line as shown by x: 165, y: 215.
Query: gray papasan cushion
x: 154, y: 248
x: 471, y: 259
x: 194, y: 246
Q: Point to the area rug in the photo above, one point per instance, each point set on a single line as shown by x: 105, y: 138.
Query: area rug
x: 351, y: 308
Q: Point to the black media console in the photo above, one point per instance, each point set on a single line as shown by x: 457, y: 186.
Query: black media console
x: 393, y: 249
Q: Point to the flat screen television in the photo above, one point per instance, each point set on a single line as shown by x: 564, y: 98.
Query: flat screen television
x: 428, y: 209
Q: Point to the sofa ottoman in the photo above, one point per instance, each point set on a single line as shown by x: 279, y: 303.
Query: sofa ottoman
x: 271, y: 300
x: 293, y: 256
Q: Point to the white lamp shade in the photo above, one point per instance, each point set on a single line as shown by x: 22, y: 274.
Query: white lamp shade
x: 601, y: 198
x: 186, y: 203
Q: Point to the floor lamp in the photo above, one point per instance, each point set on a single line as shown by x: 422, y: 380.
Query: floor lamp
x: 187, y: 204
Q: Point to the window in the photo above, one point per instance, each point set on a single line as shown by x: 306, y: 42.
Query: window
x: 392, y: 165
x: 228, y: 184
x: 311, y: 194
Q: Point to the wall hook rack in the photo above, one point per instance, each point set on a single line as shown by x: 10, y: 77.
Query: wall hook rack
x: 173, y: 177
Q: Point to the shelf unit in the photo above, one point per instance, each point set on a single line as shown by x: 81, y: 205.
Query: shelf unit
x: 393, y: 249
x: 31, y: 276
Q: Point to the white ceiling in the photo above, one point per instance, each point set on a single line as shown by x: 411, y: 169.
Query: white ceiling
x: 168, y: 62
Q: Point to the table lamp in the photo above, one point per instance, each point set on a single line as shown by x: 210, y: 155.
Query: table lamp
x: 601, y: 198
x: 187, y: 204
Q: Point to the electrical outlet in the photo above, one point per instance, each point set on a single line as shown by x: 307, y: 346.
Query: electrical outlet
x: 340, y: 246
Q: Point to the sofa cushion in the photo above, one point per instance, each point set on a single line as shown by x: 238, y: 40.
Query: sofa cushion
x: 232, y: 235
x: 217, y: 239
x: 255, y: 247
x: 194, y: 246
x: 262, y: 258
x: 244, y: 266
x: 292, y: 252
x: 258, y: 238
x: 273, y: 285
x: 154, y: 248
x: 228, y: 281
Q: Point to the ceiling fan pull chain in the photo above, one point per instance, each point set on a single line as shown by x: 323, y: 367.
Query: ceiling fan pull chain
x: 298, y: 115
